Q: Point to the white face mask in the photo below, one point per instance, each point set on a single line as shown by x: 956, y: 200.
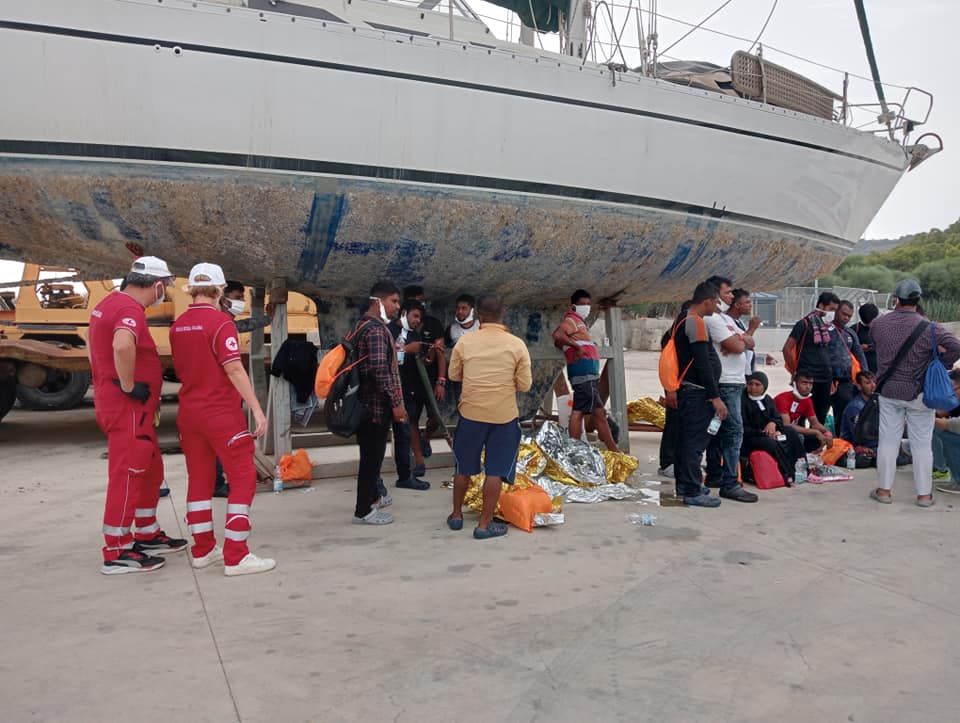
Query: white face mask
x: 723, y: 307
x: 404, y: 323
x: 383, y: 312
x: 467, y: 320
x: 796, y: 392
x: 582, y: 310
x: 237, y: 306
x: 163, y: 295
x: 828, y: 316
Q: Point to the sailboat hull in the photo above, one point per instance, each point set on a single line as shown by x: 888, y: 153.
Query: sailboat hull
x: 330, y: 155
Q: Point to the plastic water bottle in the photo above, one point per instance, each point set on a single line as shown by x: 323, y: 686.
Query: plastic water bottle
x: 400, y: 355
x: 851, y: 459
x: 714, y: 426
x: 645, y: 519
x: 277, y: 480
x: 800, y: 471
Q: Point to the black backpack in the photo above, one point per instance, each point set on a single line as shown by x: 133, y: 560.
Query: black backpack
x: 343, y: 409
x: 867, y: 430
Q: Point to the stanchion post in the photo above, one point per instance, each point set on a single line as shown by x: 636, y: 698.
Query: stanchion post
x: 617, y: 377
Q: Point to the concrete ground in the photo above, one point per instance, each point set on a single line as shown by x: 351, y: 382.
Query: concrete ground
x: 817, y: 604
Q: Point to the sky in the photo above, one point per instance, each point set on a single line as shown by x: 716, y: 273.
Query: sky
x: 914, y: 43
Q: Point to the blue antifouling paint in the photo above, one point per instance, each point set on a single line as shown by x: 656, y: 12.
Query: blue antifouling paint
x: 679, y: 256
x: 534, y: 327
x: 320, y: 231
x: 105, y: 206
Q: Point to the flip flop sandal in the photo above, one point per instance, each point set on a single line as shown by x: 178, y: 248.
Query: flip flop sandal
x: 881, y: 500
x: 494, y: 529
x: 455, y: 523
x: 925, y: 503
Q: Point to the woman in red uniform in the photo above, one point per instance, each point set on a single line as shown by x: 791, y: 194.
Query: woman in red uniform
x: 206, y: 355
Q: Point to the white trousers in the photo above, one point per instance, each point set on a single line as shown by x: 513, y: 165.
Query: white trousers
x: 919, y: 419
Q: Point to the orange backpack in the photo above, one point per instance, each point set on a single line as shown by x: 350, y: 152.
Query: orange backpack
x: 669, y: 367
x: 331, y: 365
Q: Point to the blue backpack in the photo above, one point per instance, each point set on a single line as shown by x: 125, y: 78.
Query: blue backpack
x: 937, y: 387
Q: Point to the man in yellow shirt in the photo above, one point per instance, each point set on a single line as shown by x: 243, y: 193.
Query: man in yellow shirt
x: 493, y: 366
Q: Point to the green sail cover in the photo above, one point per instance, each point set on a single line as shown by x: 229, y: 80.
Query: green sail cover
x: 544, y: 15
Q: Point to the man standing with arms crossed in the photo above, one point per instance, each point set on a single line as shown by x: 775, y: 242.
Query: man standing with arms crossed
x: 127, y: 376
x: 731, y: 345
x: 493, y: 365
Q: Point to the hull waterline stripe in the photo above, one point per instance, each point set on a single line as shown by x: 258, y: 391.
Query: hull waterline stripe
x: 93, y: 151
x: 293, y: 60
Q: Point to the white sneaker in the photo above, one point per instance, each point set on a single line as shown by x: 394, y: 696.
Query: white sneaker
x: 384, y: 501
x: 214, y: 556
x: 376, y: 517
x: 250, y: 565
x: 666, y: 471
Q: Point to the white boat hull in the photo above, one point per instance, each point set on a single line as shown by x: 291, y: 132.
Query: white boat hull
x: 331, y: 156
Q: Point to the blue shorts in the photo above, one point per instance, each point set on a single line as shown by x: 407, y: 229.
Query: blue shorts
x: 500, y: 444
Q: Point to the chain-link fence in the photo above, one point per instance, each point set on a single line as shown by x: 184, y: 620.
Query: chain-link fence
x: 795, y: 302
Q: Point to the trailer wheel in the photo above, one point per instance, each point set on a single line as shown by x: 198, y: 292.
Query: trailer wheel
x: 8, y: 395
x: 62, y: 390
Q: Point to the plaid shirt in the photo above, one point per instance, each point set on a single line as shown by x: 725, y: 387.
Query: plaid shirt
x: 889, y: 332
x: 379, y: 376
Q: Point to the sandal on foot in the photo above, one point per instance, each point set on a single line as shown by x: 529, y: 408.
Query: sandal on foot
x: 494, y: 529
x: 925, y: 503
x: 455, y: 523
x: 875, y: 495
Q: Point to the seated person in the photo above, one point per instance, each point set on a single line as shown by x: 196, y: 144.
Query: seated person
x: 946, y: 432
x: 861, y: 421
x: 763, y: 428
x: 796, y: 411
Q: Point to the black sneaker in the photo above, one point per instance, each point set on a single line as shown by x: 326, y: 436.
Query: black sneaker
x: 738, y: 494
x: 223, y: 490
x: 131, y: 561
x: 159, y: 544
x: 413, y: 484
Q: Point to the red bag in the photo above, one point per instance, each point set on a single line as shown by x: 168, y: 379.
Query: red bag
x: 766, y: 473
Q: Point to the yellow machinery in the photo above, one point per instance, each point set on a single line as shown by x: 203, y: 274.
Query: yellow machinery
x: 43, y: 339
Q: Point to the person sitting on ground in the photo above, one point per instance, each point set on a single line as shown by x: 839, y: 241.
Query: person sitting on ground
x: 861, y: 420
x: 764, y: 430
x: 946, y: 432
x: 583, y: 368
x: 409, y: 344
x: 796, y: 411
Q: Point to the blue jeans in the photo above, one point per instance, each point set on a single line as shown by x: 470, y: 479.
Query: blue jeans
x: 726, y: 443
x: 950, y: 444
x: 693, y: 419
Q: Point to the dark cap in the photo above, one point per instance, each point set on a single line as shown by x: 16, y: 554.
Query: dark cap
x: 907, y: 289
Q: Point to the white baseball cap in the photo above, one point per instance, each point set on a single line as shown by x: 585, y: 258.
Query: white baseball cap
x: 205, y: 274
x: 151, y: 266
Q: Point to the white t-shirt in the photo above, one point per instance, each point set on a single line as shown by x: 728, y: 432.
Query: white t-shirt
x: 722, y: 327
x: 456, y: 331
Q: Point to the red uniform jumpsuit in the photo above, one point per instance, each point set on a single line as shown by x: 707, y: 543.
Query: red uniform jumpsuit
x: 135, y: 466
x: 212, y: 424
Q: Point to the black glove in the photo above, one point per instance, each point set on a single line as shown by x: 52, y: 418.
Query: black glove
x: 140, y: 391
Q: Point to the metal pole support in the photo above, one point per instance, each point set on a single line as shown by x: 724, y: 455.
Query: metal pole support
x: 617, y: 377
x: 280, y: 399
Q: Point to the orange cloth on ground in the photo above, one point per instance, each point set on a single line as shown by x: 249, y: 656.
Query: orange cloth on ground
x: 836, y: 452
x: 518, y: 506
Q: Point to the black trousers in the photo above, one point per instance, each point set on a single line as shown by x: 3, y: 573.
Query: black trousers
x: 372, y: 439
x: 820, y: 396
x: 694, y: 418
x: 785, y: 453
x: 669, y: 438
x: 841, y: 398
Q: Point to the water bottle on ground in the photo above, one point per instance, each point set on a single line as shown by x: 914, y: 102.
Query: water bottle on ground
x: 714, y: 426
x: 645, y: 519
x: 800, y: 471
x: 277, y: 480
x: 851, y: 459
